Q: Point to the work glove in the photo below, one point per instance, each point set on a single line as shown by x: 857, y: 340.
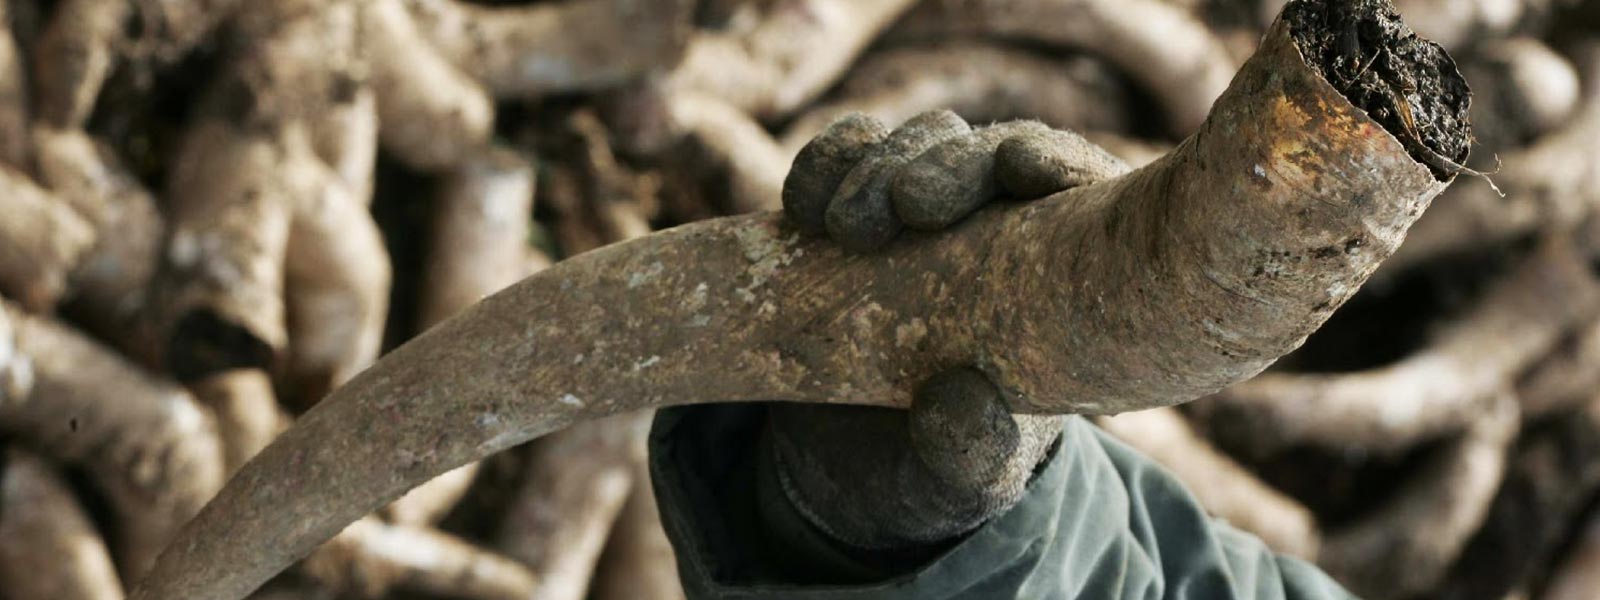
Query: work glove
x: 892, y: 484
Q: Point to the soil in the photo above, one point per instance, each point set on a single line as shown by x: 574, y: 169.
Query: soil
x: 1407, y: 84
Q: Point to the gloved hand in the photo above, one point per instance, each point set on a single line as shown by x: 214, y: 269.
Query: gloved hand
x: 887, y: 481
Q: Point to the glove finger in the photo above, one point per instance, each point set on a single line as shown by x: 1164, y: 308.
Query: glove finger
x: 823, y: 163
x: 1035, y: 164
x: 860, y: 216
x: 962, y: 431
x: 882, y: 478
x: 952, y: 179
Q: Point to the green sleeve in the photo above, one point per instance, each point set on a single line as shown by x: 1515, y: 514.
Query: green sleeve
x: 1098, y: 521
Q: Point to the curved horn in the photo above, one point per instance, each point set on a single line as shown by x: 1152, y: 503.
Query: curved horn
x: 1147, y: 290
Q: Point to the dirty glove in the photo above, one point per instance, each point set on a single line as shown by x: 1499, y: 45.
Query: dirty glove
x: 891, y: 485
x: 861, y: 184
